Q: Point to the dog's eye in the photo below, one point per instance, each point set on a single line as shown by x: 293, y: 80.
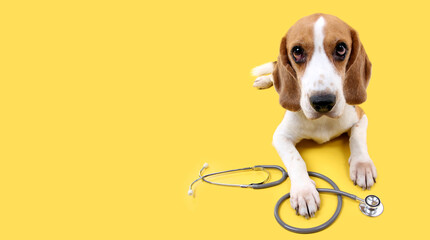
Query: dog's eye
x: 299, y: 55
x: 340, y: 51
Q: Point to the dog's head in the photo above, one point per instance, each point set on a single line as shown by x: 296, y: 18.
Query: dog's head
x: 322, y: 65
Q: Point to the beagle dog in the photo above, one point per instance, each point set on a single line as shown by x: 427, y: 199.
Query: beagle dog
x: 321, y: 75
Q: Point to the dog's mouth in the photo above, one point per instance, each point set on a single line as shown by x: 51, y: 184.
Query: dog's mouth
x: 319, y: 115
x: 333, y: 113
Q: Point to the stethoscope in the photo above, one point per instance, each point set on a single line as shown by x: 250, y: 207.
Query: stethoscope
x: 371, y: 205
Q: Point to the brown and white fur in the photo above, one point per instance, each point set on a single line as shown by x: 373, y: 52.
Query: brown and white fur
x: 322, y: 73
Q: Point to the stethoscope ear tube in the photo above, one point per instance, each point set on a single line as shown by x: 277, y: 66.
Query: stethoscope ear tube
x: 270, y: 184
x: 252, y: 185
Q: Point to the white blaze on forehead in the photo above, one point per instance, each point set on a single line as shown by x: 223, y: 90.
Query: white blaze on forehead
x: 320, y: 75
x: 319, y: 35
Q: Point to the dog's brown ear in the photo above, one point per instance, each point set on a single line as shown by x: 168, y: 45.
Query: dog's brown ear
x: 285, y: 80
x: 358, y: 71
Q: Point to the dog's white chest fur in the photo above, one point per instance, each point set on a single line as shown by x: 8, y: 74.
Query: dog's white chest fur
x: 297, y: 127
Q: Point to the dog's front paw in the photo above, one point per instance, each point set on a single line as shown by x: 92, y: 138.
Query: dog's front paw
x: 304, y: 197
x: 362, y: 171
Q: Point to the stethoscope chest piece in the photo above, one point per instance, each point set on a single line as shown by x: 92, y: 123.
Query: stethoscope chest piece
x: 371, y: 206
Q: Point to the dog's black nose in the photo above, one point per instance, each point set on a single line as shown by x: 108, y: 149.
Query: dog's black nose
x: 323, y: 103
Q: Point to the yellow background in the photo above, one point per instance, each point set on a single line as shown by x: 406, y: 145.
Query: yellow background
x: 109, y: 109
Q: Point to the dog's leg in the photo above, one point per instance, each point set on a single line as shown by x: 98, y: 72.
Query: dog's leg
x: 304, y: 197
x: 361, y: 168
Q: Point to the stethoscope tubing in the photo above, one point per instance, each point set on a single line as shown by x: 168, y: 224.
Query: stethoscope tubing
x: 262, y: 185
